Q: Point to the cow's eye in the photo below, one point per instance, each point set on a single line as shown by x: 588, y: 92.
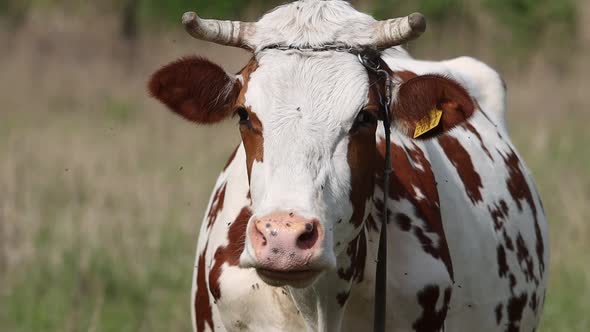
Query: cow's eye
x: 243, y: 114
x: 365, y: 118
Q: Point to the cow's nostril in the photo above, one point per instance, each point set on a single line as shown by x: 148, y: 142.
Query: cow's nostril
x: 260, y: 238
x: 308, y: 239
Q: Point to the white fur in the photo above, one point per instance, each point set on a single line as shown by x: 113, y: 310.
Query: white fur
x: 314, y: 23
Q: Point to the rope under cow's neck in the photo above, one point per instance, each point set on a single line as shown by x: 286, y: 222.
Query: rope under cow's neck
x: 371, y: 60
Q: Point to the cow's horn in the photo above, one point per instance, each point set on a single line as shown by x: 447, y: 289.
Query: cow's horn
x: 230, y: 33
x: 399, y: 30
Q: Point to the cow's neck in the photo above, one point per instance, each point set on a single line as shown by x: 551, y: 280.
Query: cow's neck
x: 322, y: 306
x: 319, y: 304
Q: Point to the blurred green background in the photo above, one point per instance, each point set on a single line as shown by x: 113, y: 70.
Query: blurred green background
x: 102, y: 190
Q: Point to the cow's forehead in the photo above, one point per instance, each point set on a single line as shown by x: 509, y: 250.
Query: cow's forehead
x: 314, y: 23
x: 308, y: 89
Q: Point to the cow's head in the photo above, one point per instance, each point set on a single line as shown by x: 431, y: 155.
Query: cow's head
x: 308, y: 122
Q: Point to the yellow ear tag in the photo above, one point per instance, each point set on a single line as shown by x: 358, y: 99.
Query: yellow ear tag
x: 428, y: 123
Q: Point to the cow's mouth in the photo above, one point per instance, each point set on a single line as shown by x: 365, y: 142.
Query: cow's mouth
x: 298, y: 279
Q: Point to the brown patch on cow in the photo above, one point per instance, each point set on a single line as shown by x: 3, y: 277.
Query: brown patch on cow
x: 520, y: 190
x: 230, y: 253
x: 362, y: 153
x: 468, y: 126
x: 252, y: 130
x: 508, y: 241
x: 361, y: 159
x: 418, y: 96
x: 203, y: 311
x: 525, y: 260
x: 216, y: 205
x: 246, y: 72
x: 196, y: 89
x: 432, y: 320
x: 515, y: 310
x: 253, y: 141
x: 512, y: 279
x: 534, y: 302
x: 406, y: 178
x: 517, y: 184
x: 231, y: 157
x: 462, y: 162
x: 498, y: 311
x: 357, y: 251
x: 502, y: 262
x: 499, y: 213
x: 403, y: 221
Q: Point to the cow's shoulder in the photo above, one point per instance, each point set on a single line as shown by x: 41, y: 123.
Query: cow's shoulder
x: 225, y: 216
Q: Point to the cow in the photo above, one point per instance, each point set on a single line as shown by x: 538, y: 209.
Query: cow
x: 290, y: 238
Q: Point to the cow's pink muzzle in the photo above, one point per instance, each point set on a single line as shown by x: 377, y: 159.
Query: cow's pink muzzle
x: 286, y: 246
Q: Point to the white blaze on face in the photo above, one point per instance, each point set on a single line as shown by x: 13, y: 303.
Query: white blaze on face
x: 307, y: 105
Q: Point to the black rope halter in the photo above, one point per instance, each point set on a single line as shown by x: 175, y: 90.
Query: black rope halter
x: 372, y: 63
x: 370, y: 58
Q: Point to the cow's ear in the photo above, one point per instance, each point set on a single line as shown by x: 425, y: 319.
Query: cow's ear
x: 196, y: 89
x: 429, y: 105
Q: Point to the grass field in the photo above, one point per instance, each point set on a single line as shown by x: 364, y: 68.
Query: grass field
x: 102, y: 191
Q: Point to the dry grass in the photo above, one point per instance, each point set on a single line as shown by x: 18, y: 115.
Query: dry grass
x: 102, y: 191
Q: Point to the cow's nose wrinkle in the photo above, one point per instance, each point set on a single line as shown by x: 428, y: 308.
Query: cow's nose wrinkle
x: 308, y: 238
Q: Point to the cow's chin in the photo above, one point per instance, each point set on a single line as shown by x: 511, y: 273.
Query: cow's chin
x: 296, y: 279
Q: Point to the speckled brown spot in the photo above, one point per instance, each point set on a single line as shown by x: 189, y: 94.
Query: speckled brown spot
x: 230, y: 253
x: 462, y: 162
x: 432, y: 320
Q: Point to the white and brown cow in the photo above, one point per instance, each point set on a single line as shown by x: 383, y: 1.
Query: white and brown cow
x: 290, y: 238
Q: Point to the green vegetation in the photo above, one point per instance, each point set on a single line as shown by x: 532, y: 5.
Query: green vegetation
x: 554, y: 148
x: 438, y: 11
x: 171, y: 11
x: 523, y: 25
x: 108, y: 218
x: 530, y: 21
